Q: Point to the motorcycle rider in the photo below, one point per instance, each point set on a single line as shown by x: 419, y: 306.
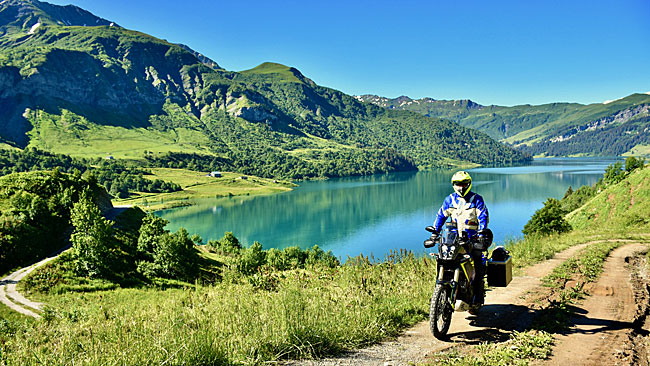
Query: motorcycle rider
x: 468, y: 211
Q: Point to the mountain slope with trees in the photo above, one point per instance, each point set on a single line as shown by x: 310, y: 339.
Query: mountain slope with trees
x: 66, y: 87
x: 557, y: 129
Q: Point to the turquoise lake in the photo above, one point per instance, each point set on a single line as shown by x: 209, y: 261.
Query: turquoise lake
x: 376, y: 214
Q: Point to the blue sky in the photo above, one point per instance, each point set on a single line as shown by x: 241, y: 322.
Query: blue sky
x: 493, y: 52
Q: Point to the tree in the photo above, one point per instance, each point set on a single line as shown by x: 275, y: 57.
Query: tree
x: 251, y: 259
x: 175, y: 256
x: 614, y: 173
x: 632, y: 163
x: 92, y: 239
x: 165, y: 254
x: 548, y: 219
x: 153, y: 227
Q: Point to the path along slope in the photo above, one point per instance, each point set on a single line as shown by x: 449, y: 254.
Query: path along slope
x: 506, y: 309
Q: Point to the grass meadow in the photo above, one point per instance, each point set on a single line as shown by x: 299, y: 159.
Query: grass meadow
x: 198, y: 185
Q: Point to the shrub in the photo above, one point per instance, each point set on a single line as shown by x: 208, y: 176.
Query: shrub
x: 316, y: 255
x: 229, y: 244
x: 174, y: 256
x: 548, y: 219
x: 251, y: 259
x: 614, y: 173
x: 575, y: 199
x: 153, y: 227
x: 165, y: 254
x: 632, y: 163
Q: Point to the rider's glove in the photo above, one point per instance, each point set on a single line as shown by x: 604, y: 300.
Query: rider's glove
x: 433, y: 239
x: 485, y: 238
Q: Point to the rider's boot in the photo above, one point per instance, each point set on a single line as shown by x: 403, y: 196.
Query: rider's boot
x: 479, y: 296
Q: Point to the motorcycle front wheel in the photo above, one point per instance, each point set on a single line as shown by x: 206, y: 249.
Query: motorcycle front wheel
x: 440, y: 312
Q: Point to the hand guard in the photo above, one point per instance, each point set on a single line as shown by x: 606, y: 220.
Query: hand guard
x: 433, y: 240
x: 484, y: 239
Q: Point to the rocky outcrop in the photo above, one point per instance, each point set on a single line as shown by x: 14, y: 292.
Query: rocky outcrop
x: 619, y: 117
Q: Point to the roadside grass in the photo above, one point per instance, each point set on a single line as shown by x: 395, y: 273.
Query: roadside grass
x: 533, y: 249
x: 57, y: 277
x: 521, y: 348
x: 11, y: 323
x: 308, y: 313
x: 198, y: 185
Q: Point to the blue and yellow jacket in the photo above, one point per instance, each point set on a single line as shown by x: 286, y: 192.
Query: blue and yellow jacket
x: 469, y: 213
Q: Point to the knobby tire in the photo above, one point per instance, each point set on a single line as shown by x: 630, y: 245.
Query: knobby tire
x: 440, y: 312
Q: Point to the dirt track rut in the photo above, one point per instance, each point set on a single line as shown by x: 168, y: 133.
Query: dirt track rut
x: 600, y: 328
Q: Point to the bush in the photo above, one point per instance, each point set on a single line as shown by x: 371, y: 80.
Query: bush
x: 251, y: 259
x: 174, y: 256
x: 294, y: 257
x: 316, y: 255
x: 229, y: 244
x: 632, y: 163
x: 614, y: 173
x: 572, y: 200
x: 165, y: 254
x: 548, y: 219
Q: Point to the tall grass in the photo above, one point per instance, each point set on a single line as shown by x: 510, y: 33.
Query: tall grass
x: 312, y: 313
x: 536, y: 248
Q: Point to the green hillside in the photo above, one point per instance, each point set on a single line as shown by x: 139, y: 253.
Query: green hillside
x: 619, y: 207
x: 35, y: 213
x: 556, y: 129
x: 105, y: 90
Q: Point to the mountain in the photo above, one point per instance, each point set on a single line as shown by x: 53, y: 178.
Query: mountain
x: 557, y: 129
x: 18, y: 16
x: 67, y: 87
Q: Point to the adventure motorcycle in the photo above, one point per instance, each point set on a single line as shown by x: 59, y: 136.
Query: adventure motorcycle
x: 456, y: 274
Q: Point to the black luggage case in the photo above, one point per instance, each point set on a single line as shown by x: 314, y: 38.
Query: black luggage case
x: 499, y: 272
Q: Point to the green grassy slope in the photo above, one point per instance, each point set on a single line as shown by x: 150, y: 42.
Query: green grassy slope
x: 618, y: 207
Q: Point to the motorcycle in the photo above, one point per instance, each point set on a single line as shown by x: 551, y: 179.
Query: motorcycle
x: 456, y: 274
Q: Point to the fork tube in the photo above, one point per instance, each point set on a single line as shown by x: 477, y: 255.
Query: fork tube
x: 454, y: 285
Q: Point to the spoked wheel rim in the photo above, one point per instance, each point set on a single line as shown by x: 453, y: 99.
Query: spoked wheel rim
x: 440, y: 313
x: 444, y: 315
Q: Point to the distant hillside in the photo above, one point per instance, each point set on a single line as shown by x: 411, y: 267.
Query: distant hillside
x: 557, y: 129
x: 105, y: 90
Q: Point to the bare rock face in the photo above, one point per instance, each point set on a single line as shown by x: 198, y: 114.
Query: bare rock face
x: 253, y: 114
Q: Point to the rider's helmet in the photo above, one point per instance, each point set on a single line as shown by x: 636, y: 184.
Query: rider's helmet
x: 462, y: 182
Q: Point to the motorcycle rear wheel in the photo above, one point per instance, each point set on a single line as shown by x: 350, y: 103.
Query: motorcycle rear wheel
x: 440, y: 312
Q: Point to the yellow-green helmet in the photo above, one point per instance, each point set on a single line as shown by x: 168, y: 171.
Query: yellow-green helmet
x: 462, y: 182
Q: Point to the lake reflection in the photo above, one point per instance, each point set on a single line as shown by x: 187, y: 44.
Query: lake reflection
x: 372, y: 215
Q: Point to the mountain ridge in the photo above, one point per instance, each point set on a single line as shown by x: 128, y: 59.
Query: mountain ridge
x: 97, y: 90
x: 546, y: 129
